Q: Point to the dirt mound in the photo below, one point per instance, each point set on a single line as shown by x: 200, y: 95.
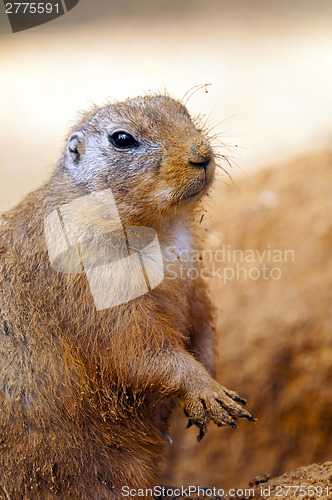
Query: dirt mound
x: 274, y: 326
x: 313, y: 481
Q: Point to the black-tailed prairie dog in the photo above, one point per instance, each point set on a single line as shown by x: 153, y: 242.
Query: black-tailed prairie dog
x: 98, y: 340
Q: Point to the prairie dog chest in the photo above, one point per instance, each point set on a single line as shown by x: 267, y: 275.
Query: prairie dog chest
x: 179, y: 249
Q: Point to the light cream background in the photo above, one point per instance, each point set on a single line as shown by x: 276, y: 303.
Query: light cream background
x: 269, y: 64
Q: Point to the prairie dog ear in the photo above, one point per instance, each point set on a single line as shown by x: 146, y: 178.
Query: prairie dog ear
x: 75, y: 146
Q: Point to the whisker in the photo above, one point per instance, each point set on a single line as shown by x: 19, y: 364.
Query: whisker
x: 193, y: 91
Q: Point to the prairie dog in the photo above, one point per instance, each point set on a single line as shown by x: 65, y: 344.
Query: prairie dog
x: 87, y: 390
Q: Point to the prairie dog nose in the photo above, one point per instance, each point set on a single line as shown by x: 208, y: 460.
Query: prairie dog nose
x: 200, y: 153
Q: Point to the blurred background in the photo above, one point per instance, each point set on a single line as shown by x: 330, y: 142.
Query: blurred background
x: 269, y: 66
x: 268, y: 62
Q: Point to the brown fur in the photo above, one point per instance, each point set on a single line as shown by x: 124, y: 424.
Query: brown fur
x: 86, y: 395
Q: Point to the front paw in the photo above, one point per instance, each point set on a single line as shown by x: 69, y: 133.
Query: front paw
x: 216, y: 403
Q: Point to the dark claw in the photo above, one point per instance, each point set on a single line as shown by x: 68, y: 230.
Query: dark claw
x: 233, y: 424
x: 244, y: 413
x: 238, y: 399
x: 190, y: 422
x: 201, y: 434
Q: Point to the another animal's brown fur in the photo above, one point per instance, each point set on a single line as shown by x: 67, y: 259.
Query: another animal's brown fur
x: 86, y: 395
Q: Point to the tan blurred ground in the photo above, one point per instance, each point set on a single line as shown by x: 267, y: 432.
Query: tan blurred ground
x: 269, y: 64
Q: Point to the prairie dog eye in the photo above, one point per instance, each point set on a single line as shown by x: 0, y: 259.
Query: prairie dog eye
x: 123, y: 140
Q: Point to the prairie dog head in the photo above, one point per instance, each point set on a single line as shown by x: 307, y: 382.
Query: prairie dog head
x: 147, y: 150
